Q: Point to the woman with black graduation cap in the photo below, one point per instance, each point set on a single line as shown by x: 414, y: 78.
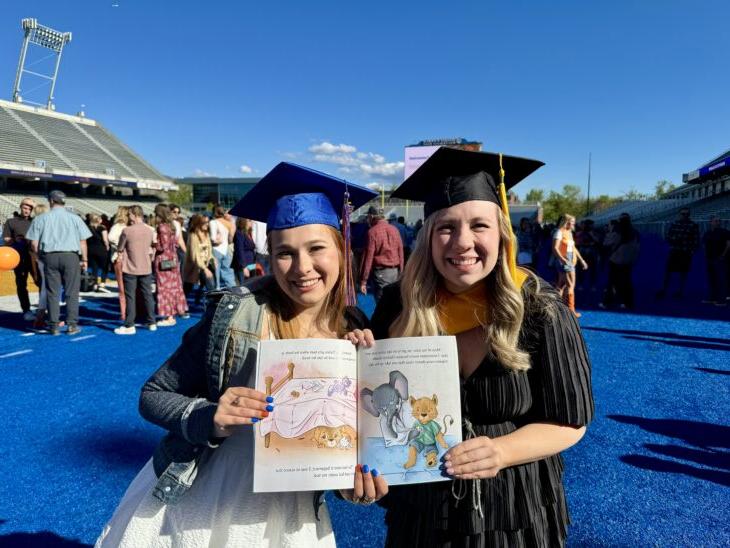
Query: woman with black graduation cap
x: 526, y: 389
x: 197, y: 488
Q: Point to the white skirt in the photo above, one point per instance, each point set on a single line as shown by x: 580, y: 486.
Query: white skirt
x: 220, y: 509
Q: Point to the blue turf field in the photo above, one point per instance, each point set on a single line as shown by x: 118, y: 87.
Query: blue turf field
x: 654, y: 468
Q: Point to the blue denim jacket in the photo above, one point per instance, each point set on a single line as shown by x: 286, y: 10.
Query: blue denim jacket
x: 182, y: 395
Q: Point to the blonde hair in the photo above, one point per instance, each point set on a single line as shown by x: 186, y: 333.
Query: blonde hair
x: 94, y: 220
x: 419, y: 287
x: 564, y: 219
x: 285, y: 323
x: 40, y: 209
x: 122, y: 216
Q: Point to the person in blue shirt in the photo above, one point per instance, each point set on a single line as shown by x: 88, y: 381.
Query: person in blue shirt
x: 59, y: 238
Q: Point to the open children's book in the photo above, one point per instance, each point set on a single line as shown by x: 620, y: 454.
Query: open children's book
x: 395, y: 407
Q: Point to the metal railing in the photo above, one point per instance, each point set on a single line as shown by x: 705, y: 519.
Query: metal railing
x: 660, y: 228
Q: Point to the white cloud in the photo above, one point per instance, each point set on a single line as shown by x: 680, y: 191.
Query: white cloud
x: 359, y: 165
x: 328, y: 148
x: 385, y: 169
x: 339, y: 159
x: 202, y: 173
x: 245, y: 169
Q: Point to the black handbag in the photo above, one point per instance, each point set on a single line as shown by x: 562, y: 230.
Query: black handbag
x: 168, y: 264
x: 88, y: 281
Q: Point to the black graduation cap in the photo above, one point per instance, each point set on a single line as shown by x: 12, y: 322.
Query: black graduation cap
x: 452, y: 176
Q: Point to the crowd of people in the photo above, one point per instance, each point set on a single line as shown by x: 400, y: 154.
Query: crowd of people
x: 158, y: 260
x: 161, y: 260
x: 608, y: 255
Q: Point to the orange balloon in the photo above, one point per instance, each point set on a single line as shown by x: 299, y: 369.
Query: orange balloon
x: 9, y: 258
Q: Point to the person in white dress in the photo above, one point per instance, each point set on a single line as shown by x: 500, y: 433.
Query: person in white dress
x: 197, y: 488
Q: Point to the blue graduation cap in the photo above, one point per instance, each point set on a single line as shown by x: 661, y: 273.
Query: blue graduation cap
x: 291, y: 195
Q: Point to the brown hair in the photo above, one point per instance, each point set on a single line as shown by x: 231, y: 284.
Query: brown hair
x: 285, y: 324
x: 196, y: 222
x: 242, y: 223
x: 136, y: 211
x: 164, y: 215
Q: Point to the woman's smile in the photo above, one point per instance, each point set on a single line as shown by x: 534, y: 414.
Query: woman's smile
x: 306, y: 285
x: 463, y: 263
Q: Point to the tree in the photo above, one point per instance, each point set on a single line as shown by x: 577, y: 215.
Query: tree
x: 182, y: 197
x: 633, y: 194
x: 570, y: 200
x: 534, y: 196
x: 602, y: 202
x: 662, y: 188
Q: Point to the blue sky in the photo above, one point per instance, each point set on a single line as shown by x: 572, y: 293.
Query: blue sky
x: 232, y: 88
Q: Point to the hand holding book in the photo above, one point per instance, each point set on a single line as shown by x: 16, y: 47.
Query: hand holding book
x: 240, y: 406
x: 369, y: 487
x: 361, y: 338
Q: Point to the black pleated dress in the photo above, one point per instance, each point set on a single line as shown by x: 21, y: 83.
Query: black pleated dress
x: 524, y: 505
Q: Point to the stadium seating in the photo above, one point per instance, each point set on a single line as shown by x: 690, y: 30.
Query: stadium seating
x: 18, y: 146
x: 9, y: 203
x: 702, y: 210
x: 37, y: 140
x: 641, y: 210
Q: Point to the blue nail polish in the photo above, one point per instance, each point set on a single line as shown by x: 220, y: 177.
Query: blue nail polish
x: 269, y: 407
x: 365, y: 469
x: 375, y: 473
x: 269, y: 399
x: 254, y: 419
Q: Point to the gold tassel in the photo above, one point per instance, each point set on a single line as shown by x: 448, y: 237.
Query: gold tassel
x: 518, y: 275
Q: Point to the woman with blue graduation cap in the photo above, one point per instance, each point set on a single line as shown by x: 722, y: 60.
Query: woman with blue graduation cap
x: 526, y: 387
x: 197, y: 488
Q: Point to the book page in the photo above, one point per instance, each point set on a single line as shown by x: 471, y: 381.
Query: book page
x: 409, y: 410
x: 308, y: 442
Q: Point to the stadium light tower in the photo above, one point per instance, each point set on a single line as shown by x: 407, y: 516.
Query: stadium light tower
x: 43, y: 37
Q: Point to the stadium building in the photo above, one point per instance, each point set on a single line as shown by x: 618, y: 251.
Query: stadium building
x: 706, y: 192
x: 710, y: 179
x: 209, y: 191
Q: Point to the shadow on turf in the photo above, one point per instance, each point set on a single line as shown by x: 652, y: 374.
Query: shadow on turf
x: 715, y: 371
x: 672, y: 339
x: 93, y: 308
x: 44, y: 539
x: 709, y: 442
x: 128, y: 450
